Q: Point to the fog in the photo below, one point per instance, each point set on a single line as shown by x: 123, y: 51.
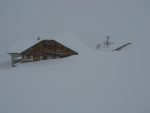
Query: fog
x: 90, y: 20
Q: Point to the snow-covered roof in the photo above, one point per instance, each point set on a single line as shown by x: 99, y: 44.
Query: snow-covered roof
x: 22, y: 45
x: 69, y: 41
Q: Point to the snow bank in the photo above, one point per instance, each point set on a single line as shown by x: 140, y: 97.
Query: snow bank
x: 101, y: 82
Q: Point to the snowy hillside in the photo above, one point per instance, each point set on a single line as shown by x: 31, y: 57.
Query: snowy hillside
x: 93, y: 82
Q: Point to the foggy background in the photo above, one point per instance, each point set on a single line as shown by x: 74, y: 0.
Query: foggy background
x: 90, y: 20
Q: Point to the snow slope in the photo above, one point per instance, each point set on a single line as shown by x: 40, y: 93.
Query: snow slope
x: 93, y: 82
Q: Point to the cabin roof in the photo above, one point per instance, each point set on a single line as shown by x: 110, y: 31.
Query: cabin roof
x: 69, y: 41
x: 22, y: 45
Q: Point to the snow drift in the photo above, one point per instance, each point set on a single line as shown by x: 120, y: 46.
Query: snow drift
x: 93, y: 82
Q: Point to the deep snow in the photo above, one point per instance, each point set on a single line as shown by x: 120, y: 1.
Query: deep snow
x: 93, y: 82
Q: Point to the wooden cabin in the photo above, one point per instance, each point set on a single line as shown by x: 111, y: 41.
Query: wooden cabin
x: 47, y: 49
x: 41, y: 50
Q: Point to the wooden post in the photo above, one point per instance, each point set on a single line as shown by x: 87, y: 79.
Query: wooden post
x: 12, y: 61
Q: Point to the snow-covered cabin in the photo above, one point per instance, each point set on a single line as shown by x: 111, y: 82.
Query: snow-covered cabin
x: 42, y: 49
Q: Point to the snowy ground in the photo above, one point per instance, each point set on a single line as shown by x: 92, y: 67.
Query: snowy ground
x: 93, y: 82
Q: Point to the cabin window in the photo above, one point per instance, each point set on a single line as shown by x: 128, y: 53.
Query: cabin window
x: 24, y: 57
x: 31, y: 57
x: 41, y: 57
x: 28, y: 57
x: 36, y: 58
x: 44, y: 57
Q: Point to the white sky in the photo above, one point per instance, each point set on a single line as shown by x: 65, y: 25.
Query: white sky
x: 89, y: 19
